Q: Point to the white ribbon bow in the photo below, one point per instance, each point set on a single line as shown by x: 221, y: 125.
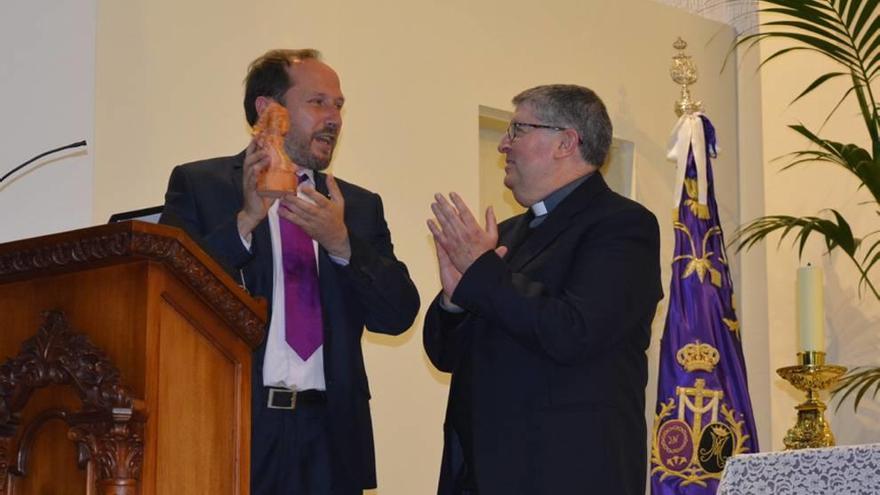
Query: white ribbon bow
x: 688, y: 132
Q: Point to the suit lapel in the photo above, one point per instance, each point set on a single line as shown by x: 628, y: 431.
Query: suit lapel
x: 537, y: 239
x: 328, y: 285
x: 325, y: 267
x: 237, y: 179
x: 262, y: 237
x: 321, y: 187
x: 321, y: 183
x: 514, y: 236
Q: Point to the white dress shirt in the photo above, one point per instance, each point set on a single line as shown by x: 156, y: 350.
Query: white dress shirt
x: 282, y: 366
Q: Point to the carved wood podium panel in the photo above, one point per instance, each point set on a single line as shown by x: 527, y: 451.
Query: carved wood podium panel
x: 125, y: 368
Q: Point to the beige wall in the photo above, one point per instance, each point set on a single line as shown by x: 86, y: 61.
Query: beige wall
x: 47, y: 96
x: 166, y: 89
x: 851, y: 322
x: 169, y: 89
x: 751, y: 269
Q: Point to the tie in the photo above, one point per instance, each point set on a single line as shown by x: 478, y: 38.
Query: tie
x: 302, y: 299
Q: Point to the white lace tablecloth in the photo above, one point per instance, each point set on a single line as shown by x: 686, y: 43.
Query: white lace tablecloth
x: 847, y: 470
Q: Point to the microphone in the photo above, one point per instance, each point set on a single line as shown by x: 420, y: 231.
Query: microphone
x: 41, y: 155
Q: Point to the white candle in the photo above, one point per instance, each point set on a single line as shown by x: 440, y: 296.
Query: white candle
x: 810, y: 309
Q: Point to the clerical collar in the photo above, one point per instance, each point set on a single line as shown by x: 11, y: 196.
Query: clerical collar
x: 547, y: 205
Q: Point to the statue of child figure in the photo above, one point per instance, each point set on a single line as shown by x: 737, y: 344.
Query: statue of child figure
x: 269, y: 131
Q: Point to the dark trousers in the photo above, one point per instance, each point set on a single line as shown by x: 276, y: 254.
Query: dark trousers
x: 291, y: 452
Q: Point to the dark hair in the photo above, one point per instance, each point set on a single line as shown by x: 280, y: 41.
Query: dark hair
x: 577, y: 107
x: 267, y: 76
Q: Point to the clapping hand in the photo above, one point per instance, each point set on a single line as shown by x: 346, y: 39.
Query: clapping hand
x: 459, y: 239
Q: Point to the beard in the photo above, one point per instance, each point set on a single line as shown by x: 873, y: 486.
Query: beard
x: 300, y: 152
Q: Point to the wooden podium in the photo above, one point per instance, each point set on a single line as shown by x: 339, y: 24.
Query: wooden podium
x: 125, y: 365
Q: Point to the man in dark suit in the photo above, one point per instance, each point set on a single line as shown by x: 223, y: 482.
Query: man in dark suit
x: 312, y: 433
x: 544, y: 320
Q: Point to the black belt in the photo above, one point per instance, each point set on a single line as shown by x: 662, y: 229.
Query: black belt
x: 283, y: 398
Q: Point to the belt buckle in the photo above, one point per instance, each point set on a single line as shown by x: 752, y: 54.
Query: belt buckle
x: 271, y: 401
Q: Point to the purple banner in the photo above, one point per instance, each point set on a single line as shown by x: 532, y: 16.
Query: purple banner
x: 703, y: 414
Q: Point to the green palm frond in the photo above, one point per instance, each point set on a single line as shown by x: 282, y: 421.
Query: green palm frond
x: 818, y: 82
x: 846, y: 32
x: 858, y: 381
x: 836, y: 234
x: 851, y: 157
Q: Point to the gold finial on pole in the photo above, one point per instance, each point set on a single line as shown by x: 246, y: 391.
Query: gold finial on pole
x: 684, y: 73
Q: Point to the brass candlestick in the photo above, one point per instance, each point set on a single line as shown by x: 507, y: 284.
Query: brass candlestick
x: 811, y: 376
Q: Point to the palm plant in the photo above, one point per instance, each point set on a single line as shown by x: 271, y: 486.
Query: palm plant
x: 846, y: 32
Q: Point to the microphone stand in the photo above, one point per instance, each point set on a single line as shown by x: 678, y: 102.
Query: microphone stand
x: 41, y: 155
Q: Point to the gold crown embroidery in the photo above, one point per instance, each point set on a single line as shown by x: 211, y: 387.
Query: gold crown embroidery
x: 698, y: 356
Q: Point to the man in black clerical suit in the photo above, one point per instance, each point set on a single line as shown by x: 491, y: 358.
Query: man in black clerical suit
x: 312, y: 433
x: 544, y: 320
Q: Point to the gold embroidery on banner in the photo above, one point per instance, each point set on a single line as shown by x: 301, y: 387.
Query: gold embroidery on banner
x: 739, y: 437
x: 698, y: 356
x: 722, y: 255
x: 700, y: 211
x: 709, y: 447
x: 714, y: 451
x: 698, y: 392
x: 732, y: 325
x: 700, y: 265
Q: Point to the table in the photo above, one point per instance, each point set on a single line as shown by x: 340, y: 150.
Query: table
x: 844, y: 470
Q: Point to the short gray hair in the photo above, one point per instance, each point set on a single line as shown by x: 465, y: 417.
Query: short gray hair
x: 577, y: 107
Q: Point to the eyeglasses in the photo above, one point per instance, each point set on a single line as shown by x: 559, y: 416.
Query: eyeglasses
x: 515, y: 128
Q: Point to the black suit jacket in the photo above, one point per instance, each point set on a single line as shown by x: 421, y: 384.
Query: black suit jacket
x: 548, y: 362
x: 374, y: 290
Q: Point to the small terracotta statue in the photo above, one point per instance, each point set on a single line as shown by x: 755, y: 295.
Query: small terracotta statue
x: 269, y: 131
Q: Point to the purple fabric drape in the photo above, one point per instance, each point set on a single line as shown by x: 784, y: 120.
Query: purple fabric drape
x: 703, y: 414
